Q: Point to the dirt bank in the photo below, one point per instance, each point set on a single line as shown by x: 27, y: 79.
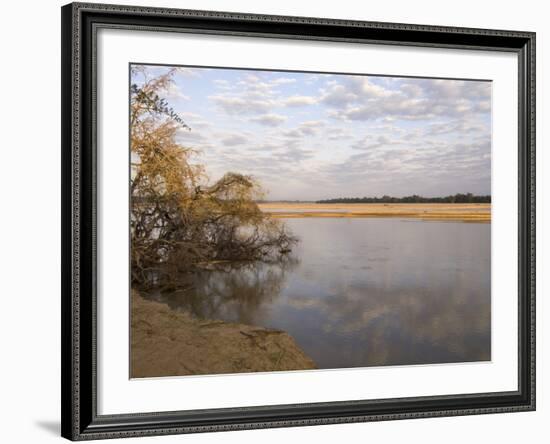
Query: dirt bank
x: 169, y: 343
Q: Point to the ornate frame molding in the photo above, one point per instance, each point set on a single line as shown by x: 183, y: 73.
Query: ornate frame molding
x: 79, y: 395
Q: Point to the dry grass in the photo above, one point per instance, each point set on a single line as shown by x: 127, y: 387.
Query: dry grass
x: 441, y: 212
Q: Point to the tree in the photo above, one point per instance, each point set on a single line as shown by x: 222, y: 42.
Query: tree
x: 181, y: 223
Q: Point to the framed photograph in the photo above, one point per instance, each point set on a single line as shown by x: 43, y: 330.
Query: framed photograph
x: 281, y: 221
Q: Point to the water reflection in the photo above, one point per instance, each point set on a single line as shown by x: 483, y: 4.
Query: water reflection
x: 238, y: 294
x: 364, y: 292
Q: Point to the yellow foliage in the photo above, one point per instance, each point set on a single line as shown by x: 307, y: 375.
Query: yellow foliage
x: 179, y: 220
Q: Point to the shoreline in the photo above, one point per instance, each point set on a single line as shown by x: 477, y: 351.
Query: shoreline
x: 165, y: 342
x: 477, y: 213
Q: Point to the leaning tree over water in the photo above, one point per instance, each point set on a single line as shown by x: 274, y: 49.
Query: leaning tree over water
x: 180, y: 222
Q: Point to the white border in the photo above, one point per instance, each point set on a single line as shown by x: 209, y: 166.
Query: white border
x: 118, y: 394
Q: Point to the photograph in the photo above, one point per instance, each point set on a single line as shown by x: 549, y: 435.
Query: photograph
x: 295, y: 218
x: 297, y: 221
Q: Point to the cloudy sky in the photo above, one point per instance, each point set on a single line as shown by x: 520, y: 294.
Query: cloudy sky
x: 309, y: 136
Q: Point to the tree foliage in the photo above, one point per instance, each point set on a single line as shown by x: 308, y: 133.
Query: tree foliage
x: 180, y: 222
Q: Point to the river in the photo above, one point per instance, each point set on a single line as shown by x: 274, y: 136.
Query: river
x: 363, y: 292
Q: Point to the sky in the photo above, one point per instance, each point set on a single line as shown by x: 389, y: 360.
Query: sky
x: 311, y: 136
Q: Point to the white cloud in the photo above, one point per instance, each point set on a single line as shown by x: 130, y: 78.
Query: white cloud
x: 240, y: 105
x: 365, y: 88
x: 307, y: 128
x: 295, y: 101
x: 269, y: 119
x: 373, y: 143
x: 337, y: 96
x: 189, y: 72
x: 174, y: 93
x: 194, y: 121
x: 282, y: 81
x: 359, y: 99
x: 338, y: 133
x: 234, y: 139
x: 185, y: 136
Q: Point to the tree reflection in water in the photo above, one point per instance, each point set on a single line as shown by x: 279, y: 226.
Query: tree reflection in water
x: 364, y: 292
x: 237, y: 292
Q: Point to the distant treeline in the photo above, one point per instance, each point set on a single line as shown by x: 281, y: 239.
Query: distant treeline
x: 457, y: 198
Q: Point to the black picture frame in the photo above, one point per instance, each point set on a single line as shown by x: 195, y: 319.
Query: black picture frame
x: 80, y: 22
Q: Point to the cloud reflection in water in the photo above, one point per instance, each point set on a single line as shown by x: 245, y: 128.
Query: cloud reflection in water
x: 364, y: 292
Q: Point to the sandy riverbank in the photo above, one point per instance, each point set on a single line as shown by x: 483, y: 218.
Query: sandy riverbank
x: 441, y: 212
x: 169, y: 343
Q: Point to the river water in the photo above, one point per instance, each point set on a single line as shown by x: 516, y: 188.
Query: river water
x: 363, y: 292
